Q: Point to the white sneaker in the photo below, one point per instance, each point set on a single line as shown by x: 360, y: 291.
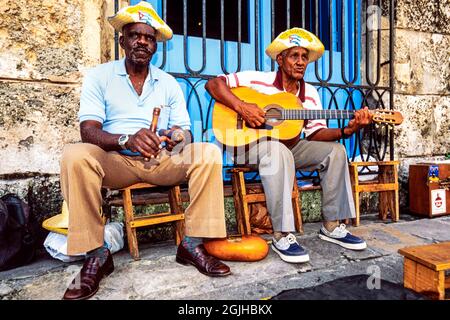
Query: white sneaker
x: 289, y: 250
x: 342, y: 237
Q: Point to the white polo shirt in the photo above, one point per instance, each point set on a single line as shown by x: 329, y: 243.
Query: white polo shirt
x: 271, y: 83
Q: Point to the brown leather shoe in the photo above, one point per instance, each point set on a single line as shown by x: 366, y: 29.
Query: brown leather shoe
x: 204, y: 262
x: 85, y: 284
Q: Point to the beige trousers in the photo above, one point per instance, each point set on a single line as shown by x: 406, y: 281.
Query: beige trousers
x: 86, y: 168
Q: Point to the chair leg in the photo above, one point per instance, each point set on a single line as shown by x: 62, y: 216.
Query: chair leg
x: 356, y: 219
x: 354, y: 178
x: 389, y: 199
x: 297, y: 209
x: 129, y: 216
x: 245, y: 204
x: 383, y: 204
x: 240, y: 203
x: 385, y: 197
x: 179, y: 231
x: 106, y: 208
x: 396, y: 215
x: 237, y: 202
x: 388, y: 204
x: 176, y: 207
x: 396, y: 206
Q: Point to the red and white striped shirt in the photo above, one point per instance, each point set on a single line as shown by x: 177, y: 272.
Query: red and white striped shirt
x: 271, y: 83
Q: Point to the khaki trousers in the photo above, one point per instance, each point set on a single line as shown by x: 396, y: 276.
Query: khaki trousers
x: 86, y: 168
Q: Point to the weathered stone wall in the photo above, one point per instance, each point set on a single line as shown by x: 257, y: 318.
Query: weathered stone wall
x: 52, y: 39
x: 45, y: 46
x: 37, y: 119
x: 422, y: 86
x: 421, y: 76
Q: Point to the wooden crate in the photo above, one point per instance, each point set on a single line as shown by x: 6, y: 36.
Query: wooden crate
x: 426, y: 193
x: 425, y: 267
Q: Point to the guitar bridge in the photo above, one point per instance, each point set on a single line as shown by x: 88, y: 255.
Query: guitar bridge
x: 264, y: 126
x: 240, y: 122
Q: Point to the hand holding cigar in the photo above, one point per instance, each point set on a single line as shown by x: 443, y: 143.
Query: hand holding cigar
x: 146, y: 141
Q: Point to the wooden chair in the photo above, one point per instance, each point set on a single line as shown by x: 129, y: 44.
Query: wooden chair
x: 386, y: 184
x: 242, y: 200
x: 175, y: 215
x: 424, y: 269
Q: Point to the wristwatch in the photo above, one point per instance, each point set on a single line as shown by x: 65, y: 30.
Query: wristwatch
x: 123, y: 139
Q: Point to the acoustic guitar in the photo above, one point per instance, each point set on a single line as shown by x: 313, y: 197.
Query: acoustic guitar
x: 284, y: 116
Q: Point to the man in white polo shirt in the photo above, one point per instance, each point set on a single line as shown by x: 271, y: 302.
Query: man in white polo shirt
x: 293, y: 49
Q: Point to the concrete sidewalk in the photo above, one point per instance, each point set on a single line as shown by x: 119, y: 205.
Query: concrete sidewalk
x: 158, y: 276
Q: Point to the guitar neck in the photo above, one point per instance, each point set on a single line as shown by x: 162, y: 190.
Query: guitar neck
x: 303, y: 114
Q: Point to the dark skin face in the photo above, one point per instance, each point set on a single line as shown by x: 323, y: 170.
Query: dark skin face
x: 139, y: 42
x: 292, y: 63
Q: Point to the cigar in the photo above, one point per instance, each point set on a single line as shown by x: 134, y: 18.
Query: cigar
x: 154, y: 124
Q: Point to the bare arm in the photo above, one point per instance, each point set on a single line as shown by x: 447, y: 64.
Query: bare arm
x: 328, y: 134
x: 250, y: 112
x: 91, y: 132
x: 144, y: 141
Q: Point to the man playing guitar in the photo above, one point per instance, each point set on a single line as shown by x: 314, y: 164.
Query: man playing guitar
x: 293, y: 50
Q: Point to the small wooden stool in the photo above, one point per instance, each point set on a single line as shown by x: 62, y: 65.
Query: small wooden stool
x: 424, y: 269
x: 242, y: 200
x: 386, y: 184
x: 176, y: 214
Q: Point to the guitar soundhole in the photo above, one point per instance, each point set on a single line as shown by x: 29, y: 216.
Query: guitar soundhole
x: 273, y: 116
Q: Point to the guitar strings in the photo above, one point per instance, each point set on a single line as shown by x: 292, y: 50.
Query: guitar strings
x: 309, y: 114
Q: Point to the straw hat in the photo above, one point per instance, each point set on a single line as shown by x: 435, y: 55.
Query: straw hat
x: 142, y: 12
x: 296, y: 37
x: 58, y: 223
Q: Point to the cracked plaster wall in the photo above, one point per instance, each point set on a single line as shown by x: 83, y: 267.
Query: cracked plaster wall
x: 45, y: 47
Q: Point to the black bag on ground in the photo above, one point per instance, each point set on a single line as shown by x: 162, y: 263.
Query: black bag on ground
x: 17, y: 233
